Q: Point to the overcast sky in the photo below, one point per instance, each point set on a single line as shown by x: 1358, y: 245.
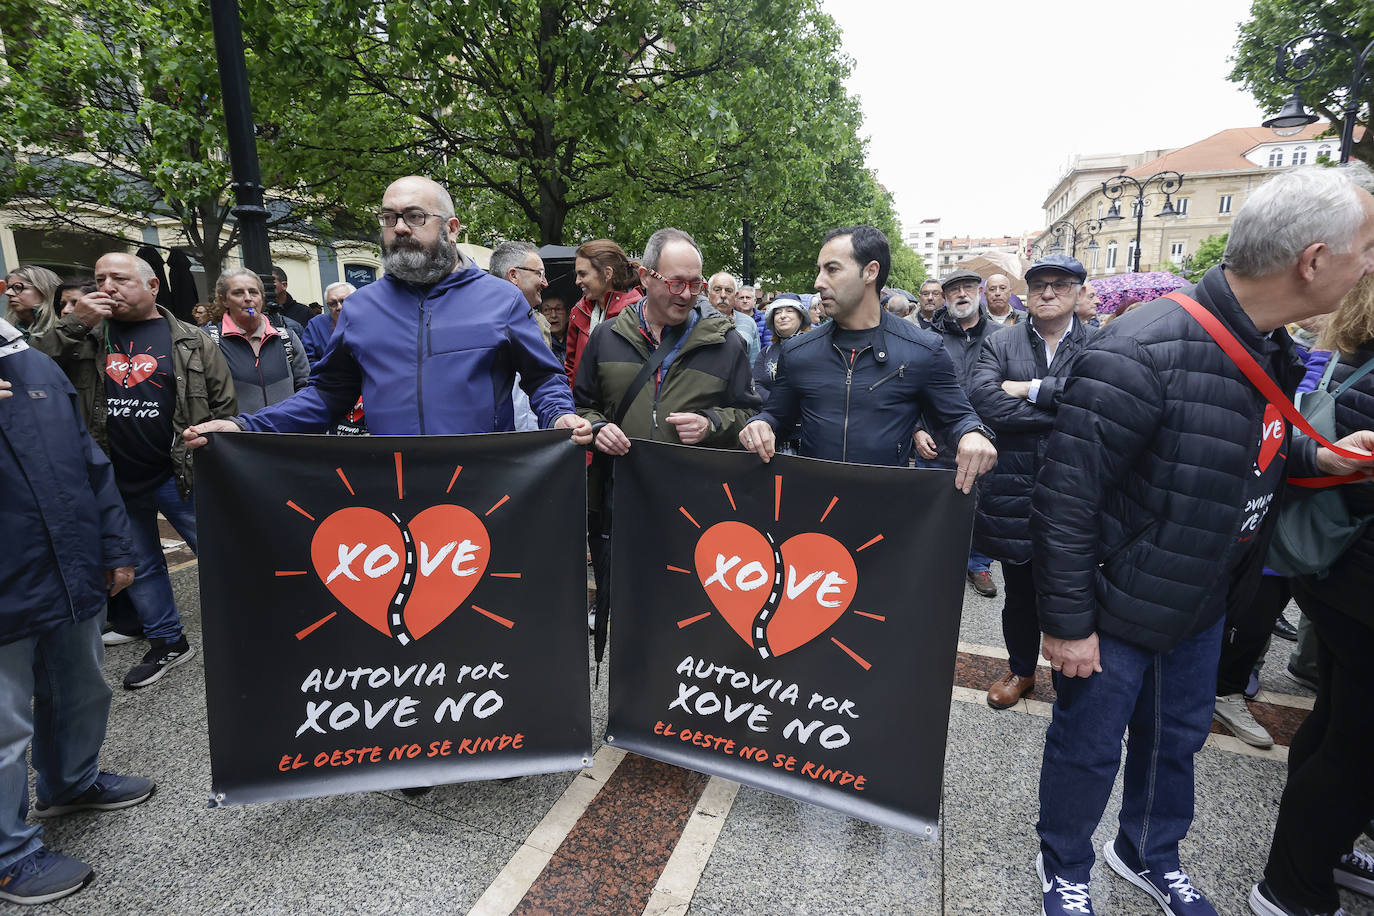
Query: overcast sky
x: 972, y: 110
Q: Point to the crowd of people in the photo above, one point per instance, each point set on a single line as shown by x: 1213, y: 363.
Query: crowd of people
x: 1128, y: 478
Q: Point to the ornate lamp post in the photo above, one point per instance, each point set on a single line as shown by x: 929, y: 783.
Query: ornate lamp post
x: 1085, y: 231
x: 1298, y: 66
x: 1114, y: 189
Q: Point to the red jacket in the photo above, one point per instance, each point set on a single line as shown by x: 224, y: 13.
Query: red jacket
x: 580, y: 325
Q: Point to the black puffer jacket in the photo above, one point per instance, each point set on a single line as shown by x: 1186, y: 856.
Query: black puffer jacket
x: 1349, y: 584
x: 1001, y: 527
x: 1135, y: 514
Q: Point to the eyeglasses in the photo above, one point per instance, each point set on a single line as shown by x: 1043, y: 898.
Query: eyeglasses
x: 414, y: 218
x: 1060, y: 287
x: 540, y: 271
x: 678, y: 287
x: 17, y: 287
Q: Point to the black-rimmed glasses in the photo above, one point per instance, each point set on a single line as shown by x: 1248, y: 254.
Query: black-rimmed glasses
x: 413, y: 218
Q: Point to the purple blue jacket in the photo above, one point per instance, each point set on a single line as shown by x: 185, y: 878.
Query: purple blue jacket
x: 440, y: 361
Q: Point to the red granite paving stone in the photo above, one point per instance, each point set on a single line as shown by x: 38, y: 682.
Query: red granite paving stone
x: 980, y: 671
x: 612, y: 858
x: 1281, y: 721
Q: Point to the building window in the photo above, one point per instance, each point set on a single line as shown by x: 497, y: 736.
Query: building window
x: 1176, y: 252
x: 1275, y: 158
x: 1300, y: 156
x: 1324, y: 152
x: 1224, y: 206
x: 1111, y: 255
x: 1181, y: 206
x: 1099, y: 210
x: 1094, y: 258
x: 1130, y: 255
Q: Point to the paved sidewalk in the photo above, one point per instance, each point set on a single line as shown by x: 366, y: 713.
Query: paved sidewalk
x: 631, y: 835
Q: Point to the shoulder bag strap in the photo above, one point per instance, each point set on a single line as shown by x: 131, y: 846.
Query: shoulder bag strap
x: 1358, y: 374
x: 1267, y: 387
x: 655, y: 360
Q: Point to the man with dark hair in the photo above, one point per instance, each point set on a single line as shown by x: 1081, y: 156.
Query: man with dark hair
x: 290, y: 308
x: 902, y: 371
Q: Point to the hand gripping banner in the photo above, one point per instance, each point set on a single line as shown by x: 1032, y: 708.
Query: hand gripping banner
x: 387, y: 612
x: 791, y: 626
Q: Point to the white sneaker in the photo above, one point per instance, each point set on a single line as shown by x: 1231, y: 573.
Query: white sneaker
x: 116, y: 638
x: 1232, y: 711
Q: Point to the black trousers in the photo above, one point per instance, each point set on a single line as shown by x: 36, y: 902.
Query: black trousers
x: 1020, y: 621
x: 1329, y: 796
x: 1247, y: 633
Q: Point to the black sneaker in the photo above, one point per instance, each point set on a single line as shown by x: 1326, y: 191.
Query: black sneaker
x: 43, y: 875
x: 1355, y: 872
x: 1263, y: 902
x: 109, y: 792
x: 164, y: 654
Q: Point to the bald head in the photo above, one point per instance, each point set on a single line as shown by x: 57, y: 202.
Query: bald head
x: 997, y: 289
x: 419, y: 188
x: 129, y: 285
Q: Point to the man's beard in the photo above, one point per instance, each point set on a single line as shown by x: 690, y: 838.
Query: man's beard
x: 409, y: 260
x: 965, y: 310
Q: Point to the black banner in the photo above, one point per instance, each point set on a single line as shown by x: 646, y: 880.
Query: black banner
x: 384, y: 612
x: 791, y: 626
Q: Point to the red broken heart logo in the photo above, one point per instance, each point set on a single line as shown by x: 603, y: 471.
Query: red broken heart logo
x: 128, y: 371
x: 403, y: 582
x: 775, y: 599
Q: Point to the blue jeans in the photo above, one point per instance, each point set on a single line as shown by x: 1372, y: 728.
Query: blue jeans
x: 978, y: 562
x: 151, y: 591
x: 1166, y: 700
x: 59, y: 671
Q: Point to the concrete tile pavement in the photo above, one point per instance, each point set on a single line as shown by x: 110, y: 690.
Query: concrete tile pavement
x: 386, y: 853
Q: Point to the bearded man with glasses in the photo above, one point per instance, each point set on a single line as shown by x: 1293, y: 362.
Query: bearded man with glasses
x: 433, y: 347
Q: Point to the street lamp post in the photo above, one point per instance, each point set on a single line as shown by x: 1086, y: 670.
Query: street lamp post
x: 243, y: 149
x: 1114, y: 189
x: 1298, y: 66
x: 1085, y: 231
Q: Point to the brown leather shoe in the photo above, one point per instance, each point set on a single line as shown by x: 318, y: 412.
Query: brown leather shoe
x: 1009, y: 690
x: 982, y: 583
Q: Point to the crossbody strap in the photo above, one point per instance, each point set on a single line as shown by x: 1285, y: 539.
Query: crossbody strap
x: 1269, y: 388
x: 655, y: 360
x: 1348, y: 383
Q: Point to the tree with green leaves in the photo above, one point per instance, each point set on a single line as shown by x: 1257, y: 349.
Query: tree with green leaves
x: 1209, y: 253
x: 1273, y: 23
x: 113, y: 107
x: 562, y: 120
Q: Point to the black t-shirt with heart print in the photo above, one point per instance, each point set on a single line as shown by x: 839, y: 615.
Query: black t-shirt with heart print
x: 140, y: 393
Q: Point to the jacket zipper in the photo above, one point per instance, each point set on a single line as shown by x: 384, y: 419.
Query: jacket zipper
x: 899, y: 372
x: 848, y: 387
x: 421, y: 335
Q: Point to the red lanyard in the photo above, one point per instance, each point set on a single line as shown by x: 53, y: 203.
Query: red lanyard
x: 1267, y: 387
